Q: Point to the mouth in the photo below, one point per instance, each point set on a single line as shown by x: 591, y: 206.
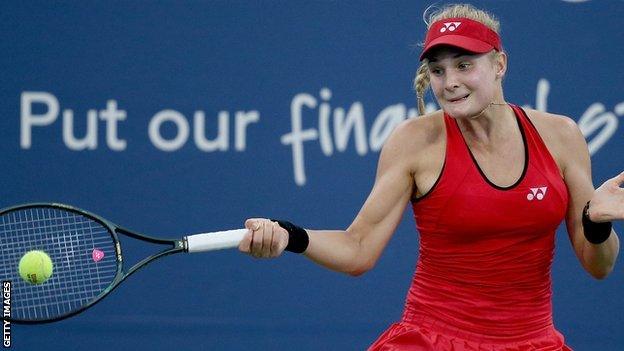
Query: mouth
x: 459, y: 99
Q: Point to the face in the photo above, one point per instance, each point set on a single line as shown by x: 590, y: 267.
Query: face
x: 464, y: 83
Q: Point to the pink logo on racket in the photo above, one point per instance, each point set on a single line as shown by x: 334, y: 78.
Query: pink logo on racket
x: 97, y: 255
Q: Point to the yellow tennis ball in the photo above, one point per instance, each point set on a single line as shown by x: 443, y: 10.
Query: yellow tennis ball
x: 35, y: 267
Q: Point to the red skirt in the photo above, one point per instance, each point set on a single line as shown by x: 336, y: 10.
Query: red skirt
x: 428, y: 334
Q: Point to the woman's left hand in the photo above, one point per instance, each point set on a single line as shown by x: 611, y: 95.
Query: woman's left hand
x: 607, y: 203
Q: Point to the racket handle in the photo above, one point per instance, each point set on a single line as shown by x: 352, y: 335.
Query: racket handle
x: 226, y: 239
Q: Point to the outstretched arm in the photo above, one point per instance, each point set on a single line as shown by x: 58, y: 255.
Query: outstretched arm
x: 356, y: 249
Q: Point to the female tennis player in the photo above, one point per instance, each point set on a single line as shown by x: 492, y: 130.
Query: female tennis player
x: 489, y: 183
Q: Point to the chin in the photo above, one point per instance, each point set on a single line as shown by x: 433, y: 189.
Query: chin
x: 464, y: 110
x: 460, y: 113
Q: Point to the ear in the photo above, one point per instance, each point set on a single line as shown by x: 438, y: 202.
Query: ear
x: 500, y: 63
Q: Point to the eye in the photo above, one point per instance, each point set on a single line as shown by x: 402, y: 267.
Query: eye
x: 435, y: 71
x: 463, y: 66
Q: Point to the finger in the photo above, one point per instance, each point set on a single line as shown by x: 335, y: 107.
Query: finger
x: 275, y: 240
x: 280, y: 240
x: 268, y: 239
x: 253, y: 223
x: 257, y: 240
x: 245, y: 244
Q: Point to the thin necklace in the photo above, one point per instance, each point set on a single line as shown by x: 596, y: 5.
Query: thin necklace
x: 486, y: 107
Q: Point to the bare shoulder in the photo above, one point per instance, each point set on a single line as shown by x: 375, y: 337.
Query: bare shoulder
x: 560, y: 133
x: 553, y: 125
x: 416, y: 146
x: 418, y: 132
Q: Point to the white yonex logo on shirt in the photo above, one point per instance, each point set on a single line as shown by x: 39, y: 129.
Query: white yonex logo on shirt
x: 450, y: 26
x: 538, y: 193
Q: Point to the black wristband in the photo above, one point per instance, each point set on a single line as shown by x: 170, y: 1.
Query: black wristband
x: 595, y: 233
x: 298, y: 238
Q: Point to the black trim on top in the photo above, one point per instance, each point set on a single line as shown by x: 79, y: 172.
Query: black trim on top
x: 526, y: 155
x: 418, y: 199
x: 526, y: 116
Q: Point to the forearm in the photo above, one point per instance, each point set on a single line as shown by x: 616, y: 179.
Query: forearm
x: 337, y: 250
x: 601, y: 244
x: 599, y: 259
x: 356, y: 250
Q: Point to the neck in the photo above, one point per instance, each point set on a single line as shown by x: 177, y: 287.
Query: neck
x: 492, y: 123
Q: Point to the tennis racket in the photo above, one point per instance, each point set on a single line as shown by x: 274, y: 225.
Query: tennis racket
x: 86, y: 254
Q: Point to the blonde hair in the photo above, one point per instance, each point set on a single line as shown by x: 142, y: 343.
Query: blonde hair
x: 421, y: 81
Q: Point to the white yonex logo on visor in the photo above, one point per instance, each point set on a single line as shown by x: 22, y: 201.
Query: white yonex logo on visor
x: 537, y: 193
x: 450, y: 26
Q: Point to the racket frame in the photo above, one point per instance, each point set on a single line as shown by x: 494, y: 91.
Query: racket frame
x: 176, y: 246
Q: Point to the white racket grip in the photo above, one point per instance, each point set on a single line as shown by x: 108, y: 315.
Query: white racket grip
x: 226, y: 239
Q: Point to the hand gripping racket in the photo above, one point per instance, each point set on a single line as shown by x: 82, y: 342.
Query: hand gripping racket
x: 86, y: 255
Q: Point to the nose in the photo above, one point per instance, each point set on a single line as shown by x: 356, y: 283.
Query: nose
x: 450, y: 81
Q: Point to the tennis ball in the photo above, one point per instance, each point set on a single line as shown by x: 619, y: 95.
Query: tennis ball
x: 35, y: 267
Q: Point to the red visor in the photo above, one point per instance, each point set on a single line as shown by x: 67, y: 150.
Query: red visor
x: 463, y: 33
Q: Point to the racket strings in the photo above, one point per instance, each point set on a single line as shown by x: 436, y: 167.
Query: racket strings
x: 81, y: 249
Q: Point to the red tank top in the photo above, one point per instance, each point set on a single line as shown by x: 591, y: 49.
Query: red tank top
x: 486, y: 251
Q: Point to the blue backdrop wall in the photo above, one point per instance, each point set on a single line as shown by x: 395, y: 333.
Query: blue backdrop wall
x: 176, y: 117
